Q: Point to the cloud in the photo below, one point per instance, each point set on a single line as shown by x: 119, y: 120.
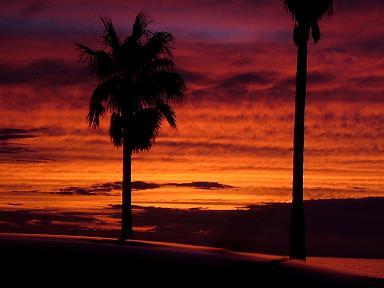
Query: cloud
x: 25, y: 217
x: 33, y: 7
x: 12, y: 133
x: 201, y: 185
x: 53, y: 222
x: 356, y: 6
x: 141, y: 185
x: 51, y: 72
x: 108, y: 187
x: 104, y: 189
x: 241, y: 86
x: 373, y: 81
x: 322, y: 77
x: 13, y: 148
x: 8, y: 137
x: 262, y: 78
x: 193, y: 76
x: 97, y: 189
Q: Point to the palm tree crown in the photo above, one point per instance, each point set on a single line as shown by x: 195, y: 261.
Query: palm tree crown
x: 306, y: 14
x: 138, y: 83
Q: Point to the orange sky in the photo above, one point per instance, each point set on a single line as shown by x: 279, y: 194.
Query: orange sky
x: 236, y: 126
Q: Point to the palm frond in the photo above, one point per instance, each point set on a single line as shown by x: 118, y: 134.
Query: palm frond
x: 170, y: 86
x: 306, y: 15
x: 168, y: 113
x: 97, y: 103
x: 140, y: 26
x: 125, y: 98
x: 96, y: 110
x: 316, y: 34
x: 162, y: 65
x: 110, y: 36
x: 102, y: 65
x: 308, y: 11
x: 116, y: 130
x: 85, y: 52
x: 159, y: 43
x: 100, y: 61
x: 143, y: 128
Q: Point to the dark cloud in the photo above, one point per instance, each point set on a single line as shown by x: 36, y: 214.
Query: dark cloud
x: 13, y: 149
x: 372, y: 81
x: 262, y: 77
x: 201, y: 185
x: 12, y: 133
x: 193, y: 77
x: 372, y: 46
x: 270, y: 85
x: 347, y: 94
x: 47, y: 221
x: 9, y: 140
x: 106, y: 188
x: 97, y: 189
x: 240, y: 86
x: 140, y: 185
x: 31, y: 160
x: 33, y: 7
x: 321, y: 78
x: 73, y: 190
x: 283, y: 87
x: 357, y: 6
x: 7, y: 148
x: 47, y: 72
x: 25, y: 217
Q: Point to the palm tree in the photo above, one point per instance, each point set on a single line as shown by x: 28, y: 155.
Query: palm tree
x: 306, y: 15
x: 138, y: 84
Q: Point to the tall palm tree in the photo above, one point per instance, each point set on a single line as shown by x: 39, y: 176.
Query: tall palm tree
x: 138, y: 84
x: 306, y: 14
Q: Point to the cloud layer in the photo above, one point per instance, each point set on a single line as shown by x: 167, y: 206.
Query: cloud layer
x: 235, y: 127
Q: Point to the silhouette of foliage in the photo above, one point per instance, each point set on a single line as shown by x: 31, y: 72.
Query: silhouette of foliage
x: 307, y: 14
x: 138, y: 83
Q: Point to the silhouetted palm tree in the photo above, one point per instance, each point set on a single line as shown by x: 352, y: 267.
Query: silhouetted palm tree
x: 306, y: 14
x: 138, y: 84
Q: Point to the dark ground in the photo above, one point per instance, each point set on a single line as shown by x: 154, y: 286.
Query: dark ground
x: 60, y: 261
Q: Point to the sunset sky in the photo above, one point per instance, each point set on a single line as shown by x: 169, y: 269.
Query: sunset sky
x: 236, y: 125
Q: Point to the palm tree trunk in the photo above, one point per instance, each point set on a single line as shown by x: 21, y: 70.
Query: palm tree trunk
x: 297, y: 229
x: 126, y: 208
